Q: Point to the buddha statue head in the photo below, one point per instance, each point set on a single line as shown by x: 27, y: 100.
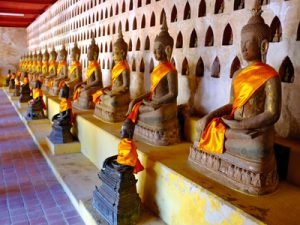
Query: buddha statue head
x: 53, y: 54
x: 127, y: 129
x: 93, y: 50
x: 163, y: 44
x: 39, y: 56
x: 64, y: 91
x: 46, y: 55
x: 75, y: 53
x: 63, y: 53
x: 255, y: 36
x: 120, y: 48
x: 38, y: 84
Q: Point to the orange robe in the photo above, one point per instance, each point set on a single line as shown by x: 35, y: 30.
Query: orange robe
x: 245, y: 84
x: 158, y: 73
x: 127, y: 155
x: 37, y: 93
x: 93, y: 65
x: 65, y: 104
x: 116, y: 72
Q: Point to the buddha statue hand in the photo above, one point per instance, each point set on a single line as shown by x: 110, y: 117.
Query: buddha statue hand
x: 202, y: 123
x: 151, y: 103
x: 233, y: 124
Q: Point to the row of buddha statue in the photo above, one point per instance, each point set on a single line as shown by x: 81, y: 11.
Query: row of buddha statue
x: 235, y: 143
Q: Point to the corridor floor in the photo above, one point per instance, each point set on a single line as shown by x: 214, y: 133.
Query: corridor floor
x: 29, y: 192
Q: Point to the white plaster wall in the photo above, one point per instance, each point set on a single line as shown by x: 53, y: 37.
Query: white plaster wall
x: 58, y: 25
x: 13, y: 45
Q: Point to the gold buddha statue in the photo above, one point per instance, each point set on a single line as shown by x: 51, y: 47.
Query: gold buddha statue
x: 236, y: 141
x: 52, y: 70
x: 154, y: 114
x: 83, y: 96
x: 111, y: 103
x: 32, y: 70
x: 62, y: 72
x: 75, y: 70
x: 45, y: 65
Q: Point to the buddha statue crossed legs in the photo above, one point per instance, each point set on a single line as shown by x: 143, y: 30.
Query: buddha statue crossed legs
x: 111, y: 103
x: 236, y: 140
x: 154, y: 115
x: 83, y: 96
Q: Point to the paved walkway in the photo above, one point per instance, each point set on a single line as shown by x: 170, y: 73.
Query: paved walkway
x: 29, y: 192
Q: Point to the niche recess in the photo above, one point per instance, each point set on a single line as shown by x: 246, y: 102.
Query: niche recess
x: 151, y: 66
x: 219, y: 6
x: 138, y: 45
x: 235, y: 65
x: 162, y: 16
x: 187, y: 12
x: 193, y: 39
x: 143, y: 24
x: 179, y: 40
x: 147, y: 43
x: 298, y: 33
x: 142, y: 66
x: 152, y: 21
x: 209, y: 37
x: 276, y: 30
x: 133, y: 66
x: 216, y: 68
x: 200, y: 68
x: 227, y: 35
x: 174, y: 14
x: 286, y: 71
x: 202, y: 9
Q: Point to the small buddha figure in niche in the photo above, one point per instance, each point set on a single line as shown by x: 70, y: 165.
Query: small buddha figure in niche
x: 111, y: 103
x: 52, y: 70
x: 45, y: 65
x: 62, y: 72
x: 62, y: 122
x: 75, y: 70
x: 83, y: 96
x: 154, y: 114
x: 240, y: 134
x: 241, y: 5
x: 36, y: 106
x: 277, y: 35
x: 7, y: 79
x: 25, y: 92
x: 221, y: 9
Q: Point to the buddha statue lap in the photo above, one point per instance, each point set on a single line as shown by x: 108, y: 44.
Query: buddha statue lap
x: 62, y: 122
x: 236, y: 140
x: 45, y: 65
x: 25, y: 92
x: 154, y: 115
x: 62, y: 72
x: 75, y: 70
x: 52, y: 71
x: 83, y: 96
x: 36, y: 106
x: 111, y: 103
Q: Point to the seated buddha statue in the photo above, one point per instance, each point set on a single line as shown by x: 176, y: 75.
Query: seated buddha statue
x: 36, y: 105
x: 38, y: 67
x: 62, y: 122
x: 236, y: 141
x: 75, y: 70
x: 52, y: 71
x: 25, y: 92
x: 33, y: 70
x: 155, y: 113
x: 7, y: 79
x: 62, y: 72
x: 17, y: 86
x: 83, y: 96
x: 45, y: 65
x: 111, y: 103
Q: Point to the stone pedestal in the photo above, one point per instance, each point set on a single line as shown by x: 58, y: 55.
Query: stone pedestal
x: 35, y: 112
x: 249, y: 176
x: 21, y: 105
x: 84, y: 102
x: 61, y: 134
x: 65, y: 148
x: 116, y: 198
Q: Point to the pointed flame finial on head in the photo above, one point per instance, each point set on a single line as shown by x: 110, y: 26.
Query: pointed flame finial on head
x: 120, y: 34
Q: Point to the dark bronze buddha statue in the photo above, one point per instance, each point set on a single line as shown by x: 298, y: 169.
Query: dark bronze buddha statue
x: 25, y: 92
x: 36, y: 106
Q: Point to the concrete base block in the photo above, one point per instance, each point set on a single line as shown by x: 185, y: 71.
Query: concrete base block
x: 22, y: 105
x: 14, y: 98
x: 66, y: 148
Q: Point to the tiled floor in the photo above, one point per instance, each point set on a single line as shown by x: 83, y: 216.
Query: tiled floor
x: 29, y: 192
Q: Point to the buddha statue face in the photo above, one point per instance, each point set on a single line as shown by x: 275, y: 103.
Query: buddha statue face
x: 120, y: 48
x: 160, y: 53
x: 118, y: 54
x: 75, y: 54
x: 62, y: 55
x: 53, y: 55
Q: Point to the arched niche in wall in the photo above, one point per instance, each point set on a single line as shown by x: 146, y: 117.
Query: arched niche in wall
x: 148, y: 2
x: 219, y: 6
x: 114, y: 28
x: 200, y: 68
x: 134, y: 24
x: 120, y: 26
x: 162, y: 16
x: 286, y: 71
x: 110, y: 47
x: 174, y: 14
x: 202, y: 9
x: 276, y: 30
x: 239, y: 4
x: 108, y: 64
x: 138, y: 45
x: 143, y: 23
x: 142, y: 66
x: 105, y: 50
x: 139, y: 3
x: 130, y: 5
x: 99, y: 32
x: 103, y: 64
x: 209, y: 37
x: 264, y: 2
x: 216, y: 68
x: 130, y: 45
x: 101, y: 15
x: 227, y: 35
x: 235, y: 66
x: 187, y: 11
x: 103, y: 32
x: 179, y: 40
x: 97, y: 17
x: 151, y: 65
x: 117, y: 9
x: 108, y: 30
x: 112, y: 64
x: 101, y: 48
x: 111, y: 11
x: 193, y: 39
x: 123, y: 6
x: 127, y: 25
x: 185, y: 68
x: 298, y: 33
x: 147, y: 43
x: 133, y: 65
x: 106, y: 13
x: 152, y: 21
